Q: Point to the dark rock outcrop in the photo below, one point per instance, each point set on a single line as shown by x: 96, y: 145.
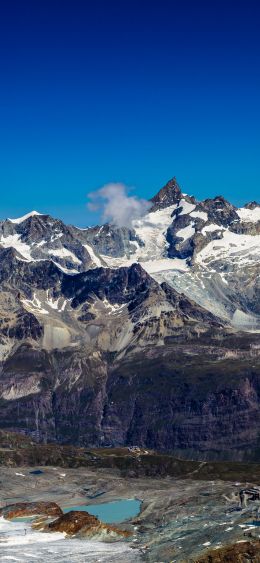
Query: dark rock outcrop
x: 120, y: 285
x: 169, y: 195
x: 220, y: 211
x: 110, y: 240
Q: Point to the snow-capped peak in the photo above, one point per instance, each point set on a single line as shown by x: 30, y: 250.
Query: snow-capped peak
x: 24, y: 217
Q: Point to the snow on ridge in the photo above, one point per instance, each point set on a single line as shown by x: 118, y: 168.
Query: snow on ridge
x: 199, y: 215
x: 24, y: 217
x: 95, y: 259
x: 64, y: 253
x: 70, y: 271
x: 212, y: 228
x: 187, y: 207
x: 237, y: 248
x: 249, y: 215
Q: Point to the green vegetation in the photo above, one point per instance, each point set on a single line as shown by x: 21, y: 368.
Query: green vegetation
x: 18, y: 450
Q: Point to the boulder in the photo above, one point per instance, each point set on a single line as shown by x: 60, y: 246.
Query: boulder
x: 84, y: 524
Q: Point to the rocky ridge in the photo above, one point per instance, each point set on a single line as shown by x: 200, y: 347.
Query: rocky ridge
x: 208, y: 249
x: 144, y: 335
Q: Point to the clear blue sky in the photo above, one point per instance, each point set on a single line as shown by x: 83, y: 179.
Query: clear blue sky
x: 137, y: 92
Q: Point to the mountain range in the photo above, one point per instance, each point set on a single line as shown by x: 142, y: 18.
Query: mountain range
x: 144, y: 335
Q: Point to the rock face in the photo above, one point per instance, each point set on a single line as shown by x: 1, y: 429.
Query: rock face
x: 83, y: 524
x: 30, y: 509
x: 141, y: 335
x: 110, y: 240
x: 170, y: 194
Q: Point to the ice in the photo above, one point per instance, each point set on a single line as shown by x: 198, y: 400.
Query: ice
x: 19, y: 542
x: 154, y: 266
x: 151, y: 229
x: 244, y: 320
x: 21, y: 533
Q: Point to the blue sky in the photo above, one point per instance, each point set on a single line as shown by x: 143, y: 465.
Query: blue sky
x: 127, y: 91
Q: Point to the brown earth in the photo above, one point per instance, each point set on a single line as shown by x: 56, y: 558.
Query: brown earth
x: 77, y: 521
x: 236, y: 553
x: 29, y: 509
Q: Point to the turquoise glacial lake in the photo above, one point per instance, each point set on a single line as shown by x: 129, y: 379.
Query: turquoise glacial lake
x: 111, y: 512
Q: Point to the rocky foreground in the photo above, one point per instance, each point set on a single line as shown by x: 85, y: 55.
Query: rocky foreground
x: 74, y: 523
x: 22, y: 509
x: 236, y: 553
x: 190, y: 510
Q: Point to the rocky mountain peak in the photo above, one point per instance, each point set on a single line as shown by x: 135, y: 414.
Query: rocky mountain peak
x: 252, y: 205
x: 168, y: 195
x: 220, y: 211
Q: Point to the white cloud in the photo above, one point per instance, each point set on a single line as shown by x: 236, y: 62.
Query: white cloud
x: 116, y: 206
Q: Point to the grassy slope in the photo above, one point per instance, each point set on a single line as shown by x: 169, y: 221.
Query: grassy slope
x: 17, y: 450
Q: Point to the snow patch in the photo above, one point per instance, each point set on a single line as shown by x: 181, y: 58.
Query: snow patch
x: 93, y: 256
x: 239, y: 249
x: 34, y: 305
x: 211, y: 228
x: 153, y: 266
x: 64, y: 253
x: 186, y: 232
x: 14, y: 241
x: 199, y: 215
x: 65, y: 270
x: 187, y: 207
x: 249, y: 215
x: 19, y: 542
x: 244, y: 320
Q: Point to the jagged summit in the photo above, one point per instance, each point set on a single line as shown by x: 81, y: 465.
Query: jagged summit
x: 168, y: 195
x: 198, y: 247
